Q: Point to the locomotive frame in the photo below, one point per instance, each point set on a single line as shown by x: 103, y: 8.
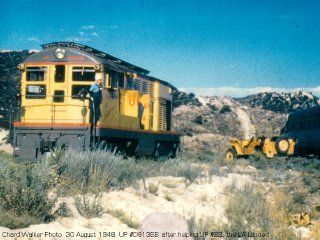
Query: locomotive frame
x: 55, y: 109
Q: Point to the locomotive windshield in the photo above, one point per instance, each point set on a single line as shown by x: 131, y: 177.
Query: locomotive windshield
x: 36, y: 73
x: 36, y: 91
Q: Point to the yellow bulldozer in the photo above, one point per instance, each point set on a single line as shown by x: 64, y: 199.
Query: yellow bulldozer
x: 270, y: 147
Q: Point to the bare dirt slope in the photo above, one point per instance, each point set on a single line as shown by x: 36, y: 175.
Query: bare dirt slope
x: 263, y: 114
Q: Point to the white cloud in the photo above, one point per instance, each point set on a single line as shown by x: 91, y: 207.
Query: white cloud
x: 81, y: 33
x: 33, y: 39
x: 95, y: 34
x: 88, y: 27
x: 242, y: 92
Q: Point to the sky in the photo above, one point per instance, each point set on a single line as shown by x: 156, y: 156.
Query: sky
x: 209, y: 47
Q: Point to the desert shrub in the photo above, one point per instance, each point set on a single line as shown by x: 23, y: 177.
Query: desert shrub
x: 259, y: 160
x: 212, y: 107
x: 11, y: 220
x: 247, y: 210
x: 153, y: 188
x: 89, y: 205
x: 168, y: 197
x: 63, y: 210
x: 198, y: 155
x: 225, y: 109
x: 189, y: 172
x: 201, y: 227
x: 281, y: 207
x: 89, y: 171
x: 307, y: 179
x: 299, y: 197
x: 198, y: 120
x: 24, y: 194
x: 130, y: 171
x: 86, y: 173
x: 5, y: 158
x: 311, y: 182
x: 122, y: 217
x: 186, y: 131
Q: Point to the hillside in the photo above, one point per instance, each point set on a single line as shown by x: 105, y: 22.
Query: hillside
x: 9, y: 83
x: 208, y: 122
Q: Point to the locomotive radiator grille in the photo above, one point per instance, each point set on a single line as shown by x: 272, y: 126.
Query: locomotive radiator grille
x: 164, y: 115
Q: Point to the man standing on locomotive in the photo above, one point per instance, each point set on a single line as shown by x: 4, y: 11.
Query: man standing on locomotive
x: 95, y: 93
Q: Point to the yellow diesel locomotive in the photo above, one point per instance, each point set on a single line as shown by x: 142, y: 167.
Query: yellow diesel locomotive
x: 57, y: 109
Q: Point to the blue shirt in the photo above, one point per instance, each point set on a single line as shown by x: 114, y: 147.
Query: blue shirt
x: 95, y: 88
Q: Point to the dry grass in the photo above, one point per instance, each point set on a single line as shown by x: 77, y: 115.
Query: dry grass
x: 281, y: 207
x: 247, y: 210
x: 122, y: 217
x: 315, y: 233
x: 153, y: 188
x: 89, y: 205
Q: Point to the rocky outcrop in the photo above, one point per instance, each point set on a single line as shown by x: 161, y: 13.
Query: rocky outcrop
x: 281, y: 102
x: 263, y: 114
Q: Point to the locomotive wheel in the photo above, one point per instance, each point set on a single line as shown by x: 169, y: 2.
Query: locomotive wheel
x: 231, y: 154
x: 282, y: 145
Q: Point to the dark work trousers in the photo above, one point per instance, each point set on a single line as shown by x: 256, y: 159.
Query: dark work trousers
x: 95, y: 107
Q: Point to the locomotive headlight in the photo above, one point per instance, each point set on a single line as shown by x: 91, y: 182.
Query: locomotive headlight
x: 98, y: 67
x: 21, y: 66
x: 60, y: 53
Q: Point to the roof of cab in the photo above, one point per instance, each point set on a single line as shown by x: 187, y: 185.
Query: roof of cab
x: 89, y: 54
x: 95, y: 52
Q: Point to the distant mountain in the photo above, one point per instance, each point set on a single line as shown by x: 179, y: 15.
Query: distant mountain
x: 281, y: 102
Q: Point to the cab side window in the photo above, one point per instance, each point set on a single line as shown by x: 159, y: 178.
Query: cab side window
x: 83, y: 74
x: 115, y: 79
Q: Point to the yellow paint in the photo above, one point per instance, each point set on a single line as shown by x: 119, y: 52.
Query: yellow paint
x: 145, y: 119
x: 248, y: 147
x: 119, y: 108
x: 300, y: 219
x: 108, y: 81
x: 291, y: 147
x: 269, y: 148
x: 129, y: 104
x: 46, y: 110
x: 156, y: 105
x: 244, y: 147
x: 110, y: 114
